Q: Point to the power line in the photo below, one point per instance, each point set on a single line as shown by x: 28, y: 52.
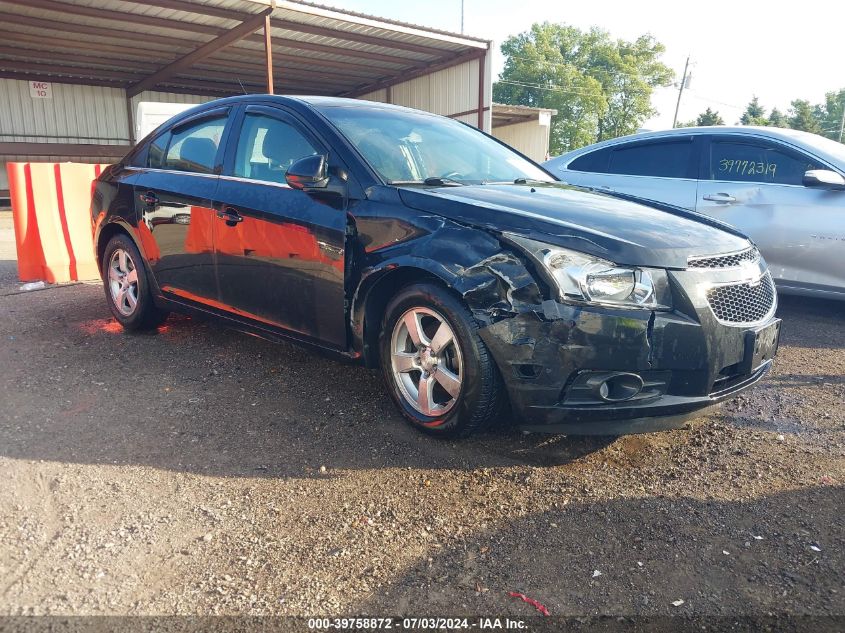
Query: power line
x: 551, y: 88
x: 702, y: 96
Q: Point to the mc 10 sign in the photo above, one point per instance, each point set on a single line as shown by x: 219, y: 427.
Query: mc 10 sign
x: 40, y: 90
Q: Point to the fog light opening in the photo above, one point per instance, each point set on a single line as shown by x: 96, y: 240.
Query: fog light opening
x: 619, y: 387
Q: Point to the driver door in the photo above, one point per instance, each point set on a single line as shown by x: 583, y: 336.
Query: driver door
x: 756, y: 185
x: 279, y: 251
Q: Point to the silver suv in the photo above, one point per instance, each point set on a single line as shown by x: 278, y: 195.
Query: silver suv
x: 785, y: 189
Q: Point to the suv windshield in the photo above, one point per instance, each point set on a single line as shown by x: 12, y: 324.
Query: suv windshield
x: 821, y: 144
x: 408, y: 147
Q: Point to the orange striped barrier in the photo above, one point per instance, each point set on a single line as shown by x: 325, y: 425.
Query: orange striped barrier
x: 52, y: 219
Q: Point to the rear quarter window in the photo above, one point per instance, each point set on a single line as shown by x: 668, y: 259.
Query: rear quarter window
x: 591, y: 161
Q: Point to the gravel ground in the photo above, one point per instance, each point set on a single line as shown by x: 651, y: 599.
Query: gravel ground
x: 200, y: 471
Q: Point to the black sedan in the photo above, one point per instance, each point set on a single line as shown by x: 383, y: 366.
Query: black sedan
x: 480, y: 285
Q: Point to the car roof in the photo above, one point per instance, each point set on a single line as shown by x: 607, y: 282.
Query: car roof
x: 315, y: 102
x: 795, y: 138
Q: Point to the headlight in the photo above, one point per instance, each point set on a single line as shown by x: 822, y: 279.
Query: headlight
x: 582, y: 277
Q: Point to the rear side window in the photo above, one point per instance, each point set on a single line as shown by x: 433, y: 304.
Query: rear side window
x: 664, y: 160
x: 760, y: 162
x: 592, y: 161
x: 193, y: 148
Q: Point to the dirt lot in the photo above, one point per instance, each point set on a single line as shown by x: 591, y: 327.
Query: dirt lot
x: 198, y: 470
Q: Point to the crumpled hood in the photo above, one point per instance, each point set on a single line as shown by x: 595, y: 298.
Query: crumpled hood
x: 621, y: 231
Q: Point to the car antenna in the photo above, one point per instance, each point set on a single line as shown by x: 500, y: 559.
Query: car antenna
x: 242, y: 86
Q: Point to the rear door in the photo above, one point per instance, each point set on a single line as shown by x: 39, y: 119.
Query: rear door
x: 173, y: 200
x: 655, y: 169
x: 756, y: 185
x: 280, y: 251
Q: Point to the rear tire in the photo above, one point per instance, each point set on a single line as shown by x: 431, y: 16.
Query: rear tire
x: 127, y: 286
x: 437, y: 369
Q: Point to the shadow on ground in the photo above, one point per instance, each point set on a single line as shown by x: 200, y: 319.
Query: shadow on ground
x: 772, y: 555
x: 195, y: 397
x: 813, y: 323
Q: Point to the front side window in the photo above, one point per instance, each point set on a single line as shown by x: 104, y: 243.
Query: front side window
x: 193, y: 148
x: 267, y: 147
x: 664, y: 160
x: 406, y: 147
x: 760, y: 162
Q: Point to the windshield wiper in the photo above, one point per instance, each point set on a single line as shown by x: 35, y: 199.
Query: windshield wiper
x: 442, y: 181
x: 530, y: 181
x: 433, y: 181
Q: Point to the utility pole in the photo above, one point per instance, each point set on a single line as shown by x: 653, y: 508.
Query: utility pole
x: 462, y: 17
x: 680, y: 92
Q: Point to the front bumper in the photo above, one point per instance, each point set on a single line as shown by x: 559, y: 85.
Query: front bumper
x: 667, y: 412
x: 687, y: 360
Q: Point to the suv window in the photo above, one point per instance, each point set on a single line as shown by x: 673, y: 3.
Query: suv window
x: 668, y: 159
x: 267, y: 147
x: 757, y: 161
x: 193, y: 148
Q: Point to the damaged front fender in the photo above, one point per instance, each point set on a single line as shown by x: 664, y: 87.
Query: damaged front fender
x: 494, y: 281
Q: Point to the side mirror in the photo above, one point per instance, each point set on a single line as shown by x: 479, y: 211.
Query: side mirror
x: 308, y: 173
x: 823, y: 178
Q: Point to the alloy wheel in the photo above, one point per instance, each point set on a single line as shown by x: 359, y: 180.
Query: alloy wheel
x: 426, y: 361
x: 123, y: 282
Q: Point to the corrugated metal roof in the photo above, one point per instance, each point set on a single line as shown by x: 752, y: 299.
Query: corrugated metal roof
x: 317, y: 49
x: 384, y: 23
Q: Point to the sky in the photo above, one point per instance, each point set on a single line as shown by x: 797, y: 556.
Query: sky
x: 737, y: 49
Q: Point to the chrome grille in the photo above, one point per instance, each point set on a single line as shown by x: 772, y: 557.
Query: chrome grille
x: 743, y: 303
x: 730, y: 260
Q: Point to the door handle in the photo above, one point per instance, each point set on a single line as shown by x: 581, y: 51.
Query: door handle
x: 231, y: 216
x: 150, y: 199
x: 724, y: 198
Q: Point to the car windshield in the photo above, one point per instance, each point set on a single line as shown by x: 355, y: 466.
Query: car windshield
x: 407, y: 147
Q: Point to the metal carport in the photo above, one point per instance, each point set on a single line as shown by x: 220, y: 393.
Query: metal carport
x: 102, y: 57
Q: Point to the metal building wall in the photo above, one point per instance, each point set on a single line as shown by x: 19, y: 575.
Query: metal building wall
x: 74, y: 114
x: 531, y: 138
x: 378, y: 95
x: 447, y: 92
x: 101, y: 115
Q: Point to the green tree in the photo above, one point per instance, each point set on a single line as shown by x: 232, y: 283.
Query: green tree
x: 709, y: 117
x: 754, y: 114
x: 830, y: 114
x: 600, y: 87
x: 802, y: 116
x: 778, y: 119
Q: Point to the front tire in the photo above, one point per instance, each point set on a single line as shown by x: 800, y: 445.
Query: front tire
x: 437, y: 369
x: 127, y: 287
